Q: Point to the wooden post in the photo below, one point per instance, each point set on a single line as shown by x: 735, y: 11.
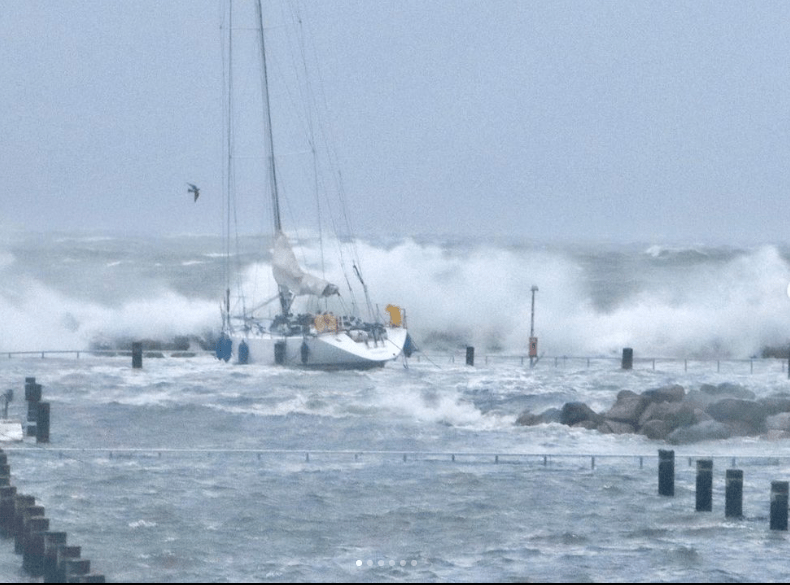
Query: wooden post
x: 33, y: 549
x: 470, y: 355
x: 7, y: 496
x: 52, y: 540
x: 42, y: 423
x: 137, y: 354
x: 733, y: 496
x: 666, y: 473
x: 704, y: 485
x: 65, y: 553
x: 628, y: 358
x: 779, y: 490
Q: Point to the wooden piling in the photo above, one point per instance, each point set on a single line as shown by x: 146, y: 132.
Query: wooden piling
x: 7, y: 497
x: 42, y: 423
x: 666, y: 472
x: 704, y: 485
x: 64, y: 553
x: 52, y: 540
x: 137, y: 354
x: 33, y: 546
x: 733, y: 495
x: 779, y: 492
x: 23, y: 526
x: 628, y: 358
x: 470, y: 355
x: 21, y: 501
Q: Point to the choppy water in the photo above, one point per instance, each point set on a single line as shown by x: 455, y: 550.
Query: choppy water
x: 196, y: 470
x: 192, y: 469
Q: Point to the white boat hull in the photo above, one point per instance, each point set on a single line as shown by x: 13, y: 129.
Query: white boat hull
x: 329, y: 350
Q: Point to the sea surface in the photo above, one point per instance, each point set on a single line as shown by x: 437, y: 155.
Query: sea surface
x: 196, y: 470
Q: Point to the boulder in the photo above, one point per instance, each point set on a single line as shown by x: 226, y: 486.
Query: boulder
x: 528, y: 419
x: 735, y: 410
x: 776, y: 404
x: 628, y: 407
x: 656, y: 429
x: 778, y: 422
x: 617, y: 427
x: 674, y: 414
x: 574, y: 413
x: 671, y: 393
x: 708, y: 430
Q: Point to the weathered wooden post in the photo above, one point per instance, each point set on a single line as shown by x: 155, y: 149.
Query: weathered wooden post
x: 628, y: 358
x: 33, y: 397
x: 704, y: 485
x: 779, y: 491
x: 23, y: 526
x: 33, y: 549
x: 21, y: 502
x: 42, y: 423
x: 666, y: 473
x: 65, y: 553
x: 470, y: 355
x: 137, y: 354
x: 733, y: 495
x: 52, y: 540
x: 75, y: 569
x: 7, y: 497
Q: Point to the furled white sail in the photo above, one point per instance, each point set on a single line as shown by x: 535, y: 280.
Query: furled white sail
x: 288, y: 273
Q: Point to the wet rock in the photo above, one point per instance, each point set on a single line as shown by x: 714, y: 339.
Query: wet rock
x: 656, y: 430
x: 727, y: 390
x: 617, y: 427
x: 674, y: 414
x: 734, y: 410
x: 778, y: 422
x: 628, y: 408
x: 776, y: 404
x: 574, y: 413
x: 528, y: 419
x: 552, y: 415
x: 708, y: 430
x: 672, y: 393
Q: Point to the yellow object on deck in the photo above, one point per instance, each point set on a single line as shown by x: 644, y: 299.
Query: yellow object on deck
x: 395, y: 316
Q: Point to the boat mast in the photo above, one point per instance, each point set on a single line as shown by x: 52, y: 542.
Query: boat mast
x: 286, y: 297
x: 268, y: 114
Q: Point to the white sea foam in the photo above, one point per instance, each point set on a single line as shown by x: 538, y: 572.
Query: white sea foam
x: 723, y: 303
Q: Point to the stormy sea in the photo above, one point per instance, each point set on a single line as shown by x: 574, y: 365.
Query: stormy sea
x: 191, y: 469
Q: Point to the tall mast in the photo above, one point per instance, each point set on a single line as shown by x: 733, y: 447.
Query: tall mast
x: 268, y: 114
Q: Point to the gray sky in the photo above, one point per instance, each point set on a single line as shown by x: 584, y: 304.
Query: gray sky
x: 564, y: 121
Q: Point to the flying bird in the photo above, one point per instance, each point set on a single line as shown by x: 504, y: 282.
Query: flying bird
x: 194, y: 189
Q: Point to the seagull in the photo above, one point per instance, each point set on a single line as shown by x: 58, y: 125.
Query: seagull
x: 194, y: 189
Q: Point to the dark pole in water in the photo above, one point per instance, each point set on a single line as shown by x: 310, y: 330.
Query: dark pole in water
x: 779, y: 491
x: 628, y: 358
x: 533, y: 342
x: 470, y: 355
x: 704, y: 485
x: 137, y: 354
x: 42, y: 423
x: 733, y: 495
x: 666, y: 473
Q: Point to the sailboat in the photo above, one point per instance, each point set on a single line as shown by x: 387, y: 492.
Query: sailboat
x: 312, y: 337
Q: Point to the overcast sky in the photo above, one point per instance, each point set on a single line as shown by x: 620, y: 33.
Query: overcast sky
x: 547, y: 120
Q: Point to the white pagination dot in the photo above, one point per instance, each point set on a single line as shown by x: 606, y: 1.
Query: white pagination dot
x: 370, y: 563
x: 403, y: 563
x: 414, y: 563
x: 359, y: 563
